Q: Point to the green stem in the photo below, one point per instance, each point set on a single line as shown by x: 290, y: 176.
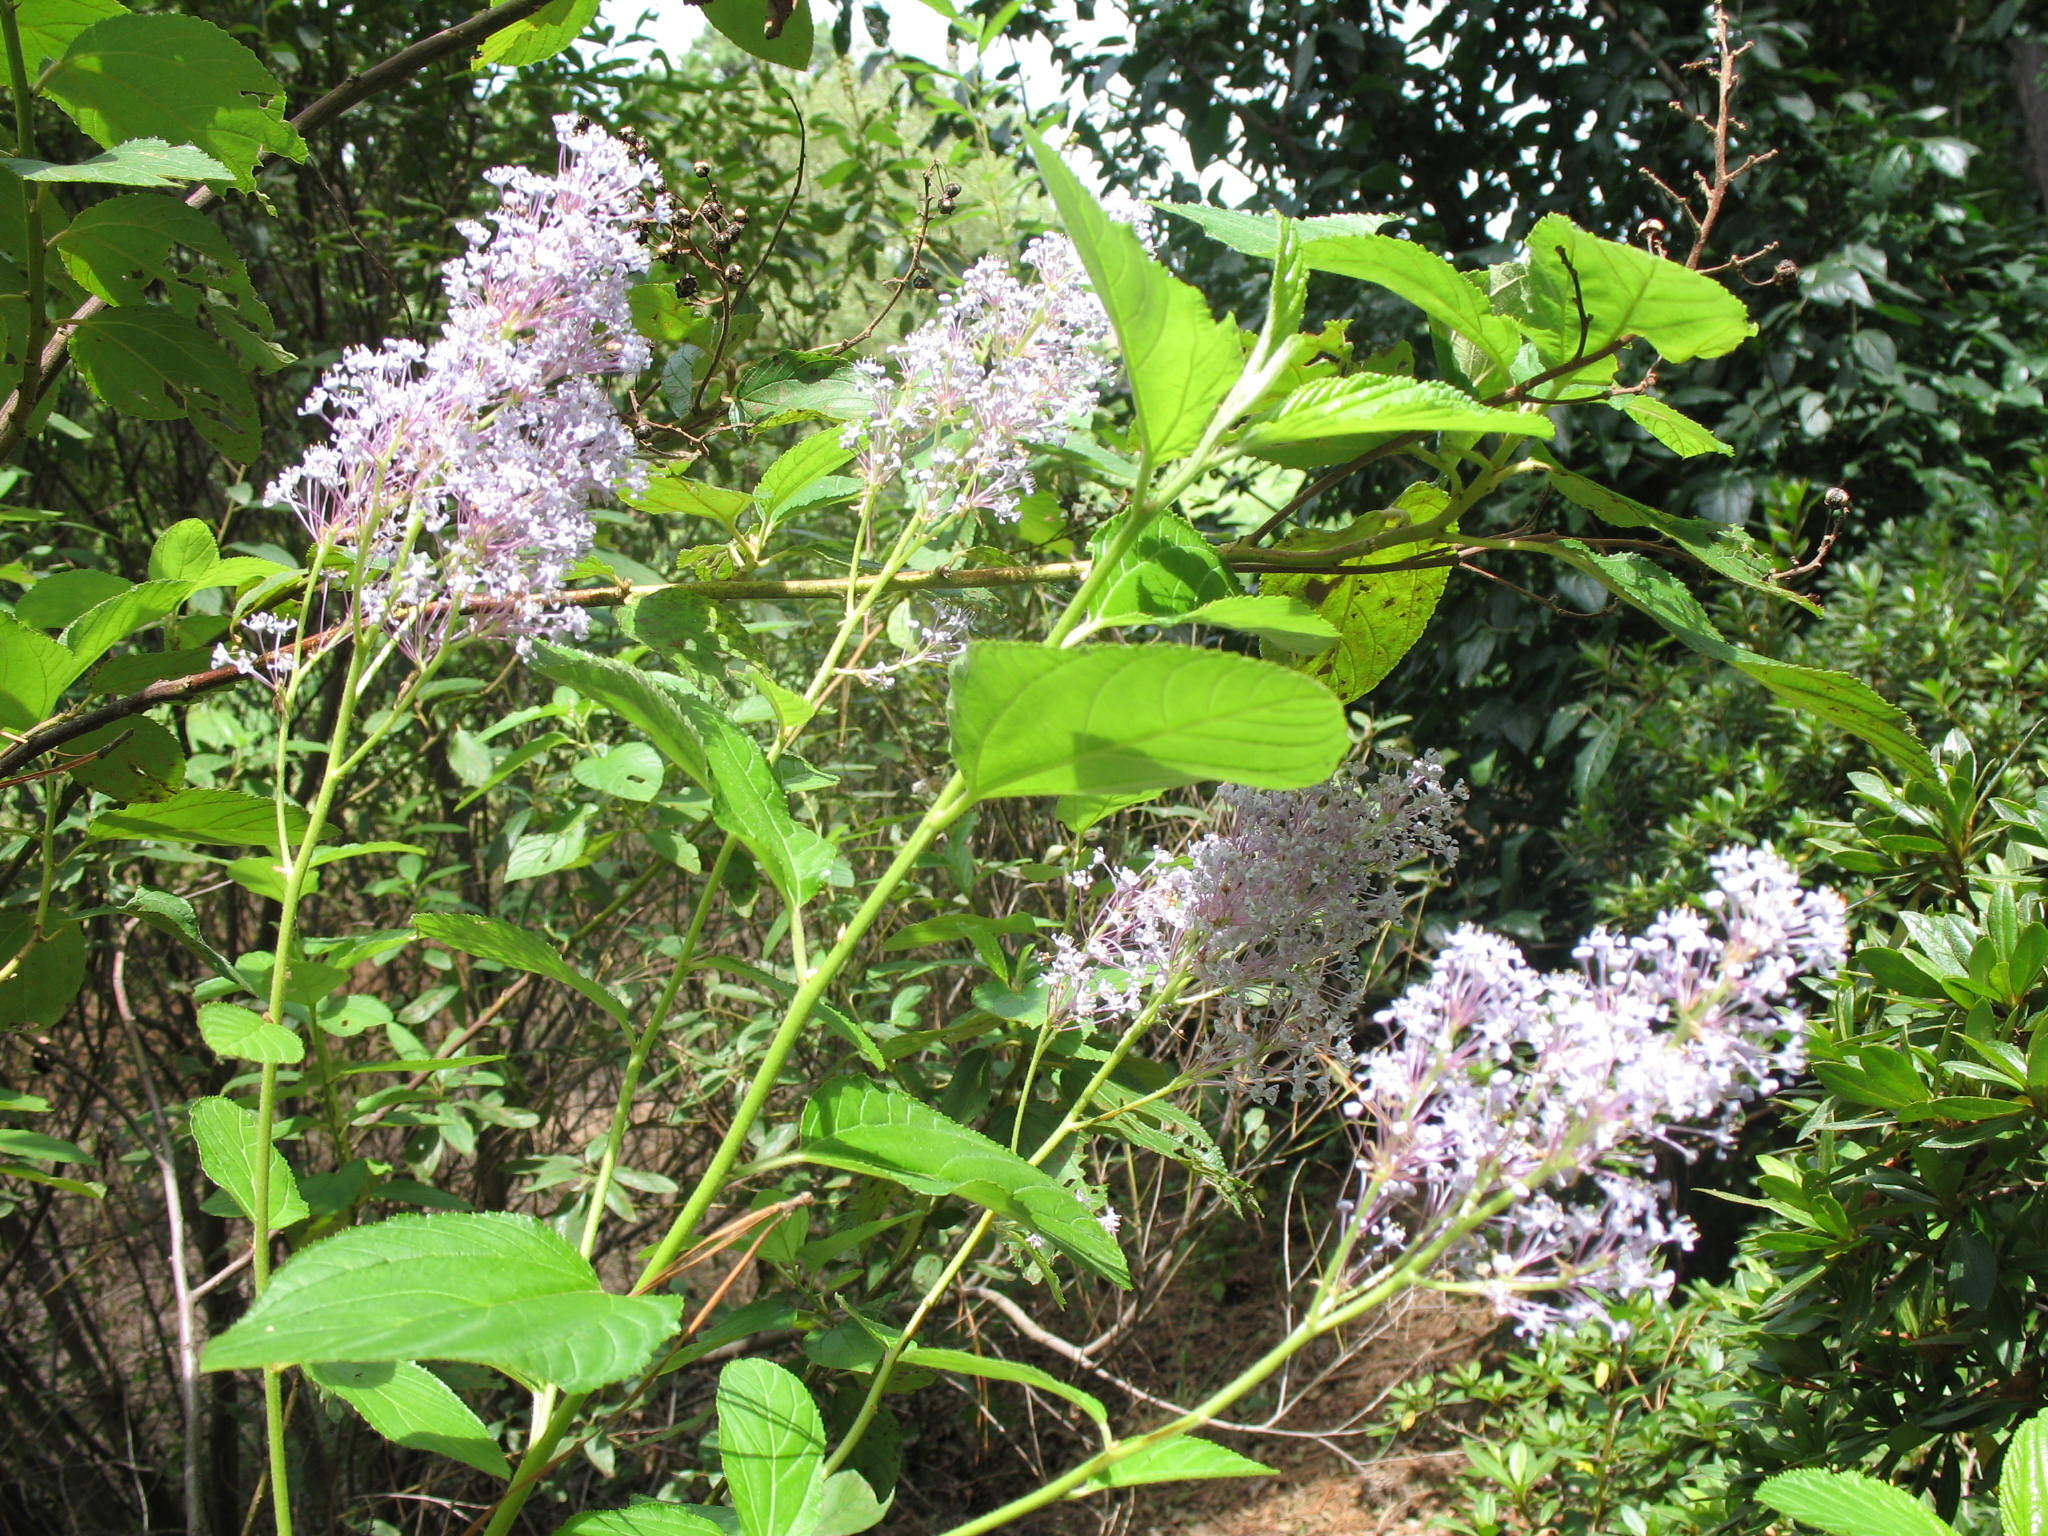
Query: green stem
x: 952, y: 802
x: 600, y: 1187
x: 878, y: 1381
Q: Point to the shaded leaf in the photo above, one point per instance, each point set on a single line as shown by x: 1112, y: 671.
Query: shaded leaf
x: 149, y: 362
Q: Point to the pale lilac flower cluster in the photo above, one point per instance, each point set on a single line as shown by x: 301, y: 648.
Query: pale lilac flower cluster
x: 1540, y: 1101
x: 466, y: 469
x: 1266, y: 919
x: 1003, y: 365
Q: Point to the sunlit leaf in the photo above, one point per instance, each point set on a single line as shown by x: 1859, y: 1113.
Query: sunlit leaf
x: 493, y: 1289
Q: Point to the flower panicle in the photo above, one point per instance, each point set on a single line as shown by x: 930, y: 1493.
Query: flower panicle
x: 1004, y: 364
x: 1269, y: 915
x: 462, y: 471
x: 1550, y: 1095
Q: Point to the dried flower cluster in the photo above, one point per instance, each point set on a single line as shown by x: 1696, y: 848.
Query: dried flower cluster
x: 1267, y: 918
x: 1003, y: 365
x: 465, y: 470
x: 1543, y: 1099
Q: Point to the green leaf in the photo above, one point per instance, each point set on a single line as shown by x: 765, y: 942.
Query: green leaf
x: 173, y: 915
x: 50, y: 973
x: 1181, y: 360
x: 862, y: 1127
x: 1626, y: 292
x: 1349, y: 245
x: 410, y: 1406
x: 1327, y: 421
x: 120, y: 246
x: 540, y: 36
x: 137, y: 163
x: 1077, y: 813
x: 626, y: 692
x: 848, y: 1506
x: 90, y: 1189
x: 2023, y: 1481
x: 1849, y: 1504
x: 493, y: 1289
x: 1180, y: 1459
x: 139, y: 761
x: 792, y: 387
x: 629, y: 771
x: 148, y: 361
x: 742, y: 22
x: 185, y: 551
x: 962, y: 1363
x: 175, y: 78
x: 1836, y: 697
x: 1116, y: 719
x: 1170, y: 570
x: 1284, y: 623
x: 61, y: 597
x: 1727, y: 550
x: 771, y: 1445
x: 48, y: 1149
x: 1671, y: 427
x: 647, y: 1518
x: 227, y: 1137
x: 543, y: 853
x: 48, y: 26
x: 34, y: 672
x: 492, y: 938
x: 100, y: 628
x: 202, y: 816
x: 1258, y: 234
x: 242, y: 1035
x: 796, y: 471
x: 748, y: 802
x: 673, y: 493
x: 1378, y: 618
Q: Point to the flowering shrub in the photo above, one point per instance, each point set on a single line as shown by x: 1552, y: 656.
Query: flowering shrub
x: 869, y: 1152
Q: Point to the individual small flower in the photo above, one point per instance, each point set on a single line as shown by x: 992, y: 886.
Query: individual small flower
x: 267, y: 660
x: 1539, y: 1102
x: 1269, y: 917
x: 1002, y: 366
x: 463, y: 471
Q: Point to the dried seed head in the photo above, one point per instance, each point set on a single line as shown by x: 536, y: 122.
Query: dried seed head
x: 686, y: 286
x: 1837, y: 498
x: 702, y: 170
x: 946, y: 205
x: 736, y: 276
x: 1786, y: 273
x: 739, y: 216
x: 952, y: 189
x: 921, y: 280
